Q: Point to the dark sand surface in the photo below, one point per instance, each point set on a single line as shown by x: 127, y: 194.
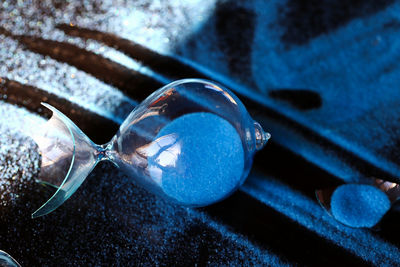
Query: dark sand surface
x: 96, y: 60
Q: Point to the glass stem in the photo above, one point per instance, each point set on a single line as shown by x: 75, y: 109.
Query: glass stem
x: 262, y: 137
x: 106, y: 152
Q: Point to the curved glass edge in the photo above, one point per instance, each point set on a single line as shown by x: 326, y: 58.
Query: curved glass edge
x: 78, y: 169
x: 7, y: 261
x: 54, y: 202
x: 253, y: 136
x: 391, y: 189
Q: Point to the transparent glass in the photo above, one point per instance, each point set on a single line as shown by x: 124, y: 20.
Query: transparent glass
x: 192, y: 142
x: 7, y: 261
x: 359, y: 205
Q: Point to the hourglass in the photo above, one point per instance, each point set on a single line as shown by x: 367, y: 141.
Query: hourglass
x: 191, y: 142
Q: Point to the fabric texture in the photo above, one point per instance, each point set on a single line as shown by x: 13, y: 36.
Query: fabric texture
x: 321, y: 76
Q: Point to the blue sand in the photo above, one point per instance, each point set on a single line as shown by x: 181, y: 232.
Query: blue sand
x: 359, y: 205
x: 204, y: 161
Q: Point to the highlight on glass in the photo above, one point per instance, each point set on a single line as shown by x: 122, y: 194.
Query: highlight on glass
x: 7, y: 261
x: 191, y: 142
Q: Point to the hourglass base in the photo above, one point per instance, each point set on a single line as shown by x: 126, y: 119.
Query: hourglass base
x: 68, y: 156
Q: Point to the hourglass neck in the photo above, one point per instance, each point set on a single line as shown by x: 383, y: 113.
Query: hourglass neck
x: 106, y: 152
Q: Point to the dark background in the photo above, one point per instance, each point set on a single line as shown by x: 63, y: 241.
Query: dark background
x: 321, y: 76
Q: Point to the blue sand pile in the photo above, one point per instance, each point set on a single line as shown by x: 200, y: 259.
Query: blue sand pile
x: 205, y: 161
x: 359, y: 205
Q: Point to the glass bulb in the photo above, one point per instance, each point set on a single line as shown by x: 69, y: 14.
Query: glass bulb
x: 192, y: 142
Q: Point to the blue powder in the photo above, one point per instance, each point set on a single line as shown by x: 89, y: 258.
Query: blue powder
x: 359, y: 205
x: 204, y: 161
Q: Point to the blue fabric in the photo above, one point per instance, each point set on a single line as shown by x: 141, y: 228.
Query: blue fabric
x: 330, y: 66
x: 327, y: 76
